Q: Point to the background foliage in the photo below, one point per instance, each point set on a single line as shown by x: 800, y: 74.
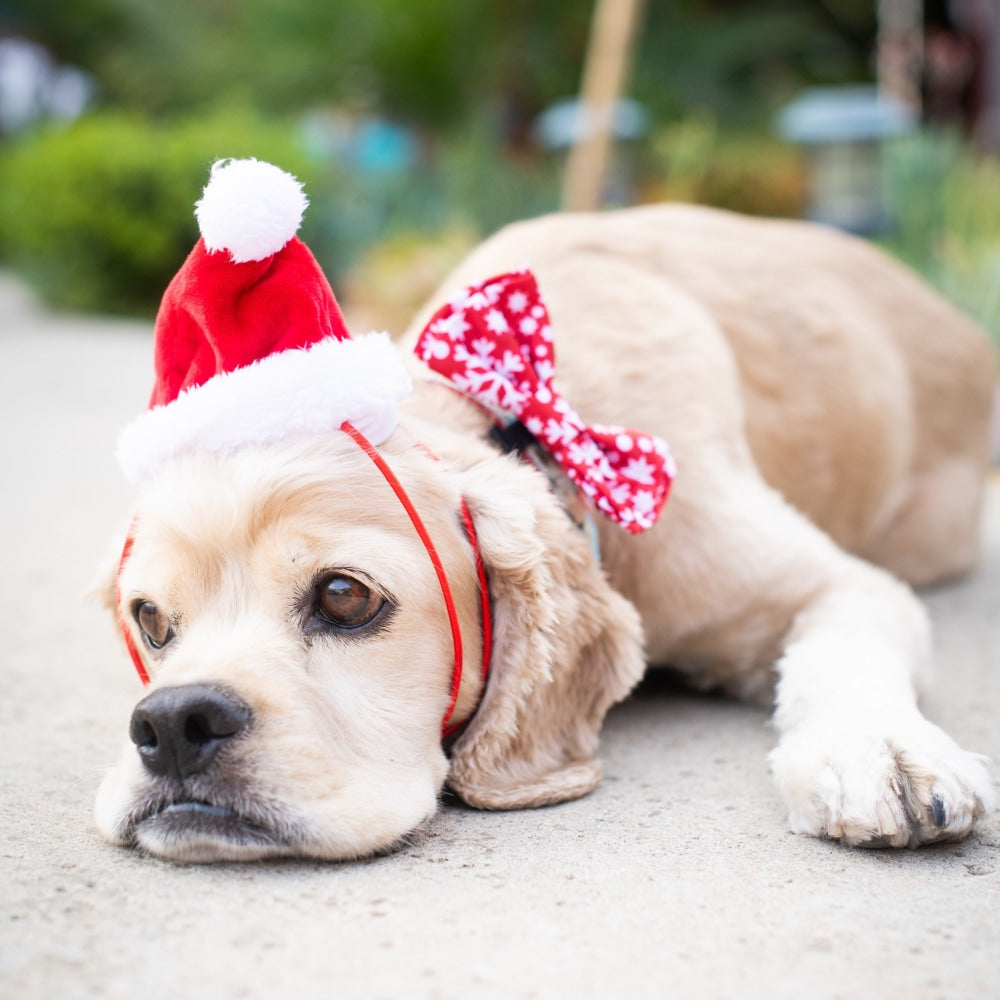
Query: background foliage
x: 99, y: 213
x: 947, y: 220
x: 435, y: 63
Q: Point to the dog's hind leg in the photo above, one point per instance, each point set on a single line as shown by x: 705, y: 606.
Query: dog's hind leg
x: 934, y: 533
x: 931, y: 530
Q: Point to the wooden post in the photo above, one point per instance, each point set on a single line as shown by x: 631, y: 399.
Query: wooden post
x: 611, y: 32
x: 901, y: 50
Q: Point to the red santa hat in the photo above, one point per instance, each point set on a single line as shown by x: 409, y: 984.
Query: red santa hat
x: 250, y: 345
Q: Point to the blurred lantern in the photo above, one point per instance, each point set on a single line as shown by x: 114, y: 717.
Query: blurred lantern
x: 844, y: 129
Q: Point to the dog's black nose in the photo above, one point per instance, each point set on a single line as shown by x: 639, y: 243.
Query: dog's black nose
x: 179, y: 730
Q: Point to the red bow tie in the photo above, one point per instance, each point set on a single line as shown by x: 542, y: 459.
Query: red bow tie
x: 494, y: 342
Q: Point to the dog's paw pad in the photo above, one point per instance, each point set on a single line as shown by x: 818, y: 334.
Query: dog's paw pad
x: 914, y: 787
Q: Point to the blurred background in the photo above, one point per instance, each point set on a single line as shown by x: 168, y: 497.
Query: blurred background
x: 419, y: 126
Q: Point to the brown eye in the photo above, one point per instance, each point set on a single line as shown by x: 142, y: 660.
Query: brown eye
x: 347, y: 603
x: 155, y: 625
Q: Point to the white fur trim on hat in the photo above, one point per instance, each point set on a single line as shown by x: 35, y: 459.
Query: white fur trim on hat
x: 299, y: 391
x: 250, y: 208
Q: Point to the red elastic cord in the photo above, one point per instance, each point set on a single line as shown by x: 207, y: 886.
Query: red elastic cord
x: 449, y: 601
x: 484, y: 589
x: 122, y: 624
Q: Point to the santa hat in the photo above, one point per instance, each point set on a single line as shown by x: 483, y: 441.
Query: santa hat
x: 250, y: 345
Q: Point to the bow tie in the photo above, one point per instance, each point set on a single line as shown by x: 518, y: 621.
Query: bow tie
x: 494, y: 343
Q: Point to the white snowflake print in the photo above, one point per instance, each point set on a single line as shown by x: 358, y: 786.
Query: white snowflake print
x: 482, y: 347
x: 600, y: 473
x: 623, y: 442
x: 621, y: 493
x: 490, y: 388
x: 510, y: 364
x: 473, y: 379
x: 643, y: 503
x: 639, y: 470
x: 469, y: 359
x: 528, y: 326
x: 606, y: 470
x: 492, y: 291
x: 559, y: 432
x: 477, y: 300
x: 626, y: 517
x: 496, y: 322
x: 517, y: 302
x: 434, y: 347
x: 545, y: 370
x: 454, y: 327
x: 585, y: 451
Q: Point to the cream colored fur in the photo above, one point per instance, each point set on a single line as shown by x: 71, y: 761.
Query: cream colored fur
x: 829, y: 417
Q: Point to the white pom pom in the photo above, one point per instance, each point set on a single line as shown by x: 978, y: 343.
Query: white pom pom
x: 250, y: 208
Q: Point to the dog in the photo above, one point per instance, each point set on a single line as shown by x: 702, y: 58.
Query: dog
x: 829, y: 418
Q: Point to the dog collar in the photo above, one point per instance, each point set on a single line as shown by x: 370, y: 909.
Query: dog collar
x: 448, y: 727
x: 515, y: 439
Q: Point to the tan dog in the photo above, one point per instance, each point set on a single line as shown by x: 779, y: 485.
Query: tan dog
x: 829, y: 416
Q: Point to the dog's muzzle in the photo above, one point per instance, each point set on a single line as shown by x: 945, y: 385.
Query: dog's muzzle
x: 179, y: 731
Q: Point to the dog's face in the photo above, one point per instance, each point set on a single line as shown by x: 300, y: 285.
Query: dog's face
x: 301, y: 659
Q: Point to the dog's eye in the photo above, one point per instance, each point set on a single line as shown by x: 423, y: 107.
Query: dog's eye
x: 347, y: 603
x: 155, y: 625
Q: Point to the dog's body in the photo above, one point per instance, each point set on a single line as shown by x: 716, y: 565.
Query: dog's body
x: 819, y: 401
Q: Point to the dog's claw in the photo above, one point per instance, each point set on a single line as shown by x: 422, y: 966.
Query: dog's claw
x: 938, y: 813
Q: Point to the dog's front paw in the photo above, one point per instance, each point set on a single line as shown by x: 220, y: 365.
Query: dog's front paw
x: 909, y: 785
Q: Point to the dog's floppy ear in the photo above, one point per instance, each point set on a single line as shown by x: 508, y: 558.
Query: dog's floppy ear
x: 566, y: 647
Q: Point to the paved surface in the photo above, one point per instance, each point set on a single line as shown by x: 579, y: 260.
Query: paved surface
x: 676, y: 878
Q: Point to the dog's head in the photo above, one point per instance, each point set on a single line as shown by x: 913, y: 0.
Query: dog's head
x: 301, y: 660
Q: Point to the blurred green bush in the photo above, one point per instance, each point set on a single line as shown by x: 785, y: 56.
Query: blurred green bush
x: 442, y: 64
x: 99, y: 215
x: 945, y: 203
x: 944, y: 199
x: 695, y: 160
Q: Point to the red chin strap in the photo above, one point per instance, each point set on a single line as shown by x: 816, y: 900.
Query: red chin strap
x: 140, y: 667
x: 447, y: 726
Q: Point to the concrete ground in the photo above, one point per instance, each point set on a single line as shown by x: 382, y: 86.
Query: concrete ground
x: 676, y: 878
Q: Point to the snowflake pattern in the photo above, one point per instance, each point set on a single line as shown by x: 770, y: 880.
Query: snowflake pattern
x: 494, y: 342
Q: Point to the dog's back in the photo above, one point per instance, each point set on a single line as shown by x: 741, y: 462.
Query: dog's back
x: 863, y: 397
